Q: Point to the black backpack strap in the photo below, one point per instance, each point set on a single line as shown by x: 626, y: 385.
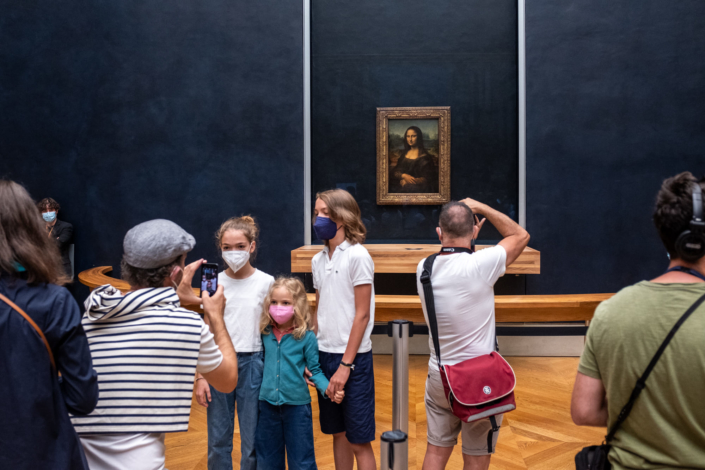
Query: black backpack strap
x: 641, y: 383
x: 430, y: 303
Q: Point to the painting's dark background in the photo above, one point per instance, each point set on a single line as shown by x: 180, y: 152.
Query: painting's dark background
x: 133, y: 110
x: 370, y: 54
x: 129, y: 111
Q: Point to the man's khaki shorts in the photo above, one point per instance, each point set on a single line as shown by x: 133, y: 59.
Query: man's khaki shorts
x: 444, y: 426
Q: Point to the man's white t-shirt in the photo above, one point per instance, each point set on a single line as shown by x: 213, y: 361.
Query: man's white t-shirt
x: 244, y: 299
x: 463, y: 288
x: 335, y: 279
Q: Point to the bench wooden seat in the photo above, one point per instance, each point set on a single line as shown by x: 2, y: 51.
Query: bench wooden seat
x: 508, y: 308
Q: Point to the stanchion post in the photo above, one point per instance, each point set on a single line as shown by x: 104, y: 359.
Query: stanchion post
x: 400, y: 377
x: 394, y: 453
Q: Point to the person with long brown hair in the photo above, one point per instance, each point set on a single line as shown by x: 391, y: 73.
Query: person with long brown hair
x: 416, y: 170
x: 343, y: 275
x: 34, y: 402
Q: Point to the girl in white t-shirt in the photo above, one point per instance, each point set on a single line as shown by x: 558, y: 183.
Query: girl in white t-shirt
x: 245, y: 290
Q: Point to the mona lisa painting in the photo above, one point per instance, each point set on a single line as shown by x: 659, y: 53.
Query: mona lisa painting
x: 413, y: 155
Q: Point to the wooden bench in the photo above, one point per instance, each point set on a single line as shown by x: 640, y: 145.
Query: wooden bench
x: 508, y: 308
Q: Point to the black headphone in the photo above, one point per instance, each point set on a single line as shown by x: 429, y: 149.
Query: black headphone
x: 690, y: 244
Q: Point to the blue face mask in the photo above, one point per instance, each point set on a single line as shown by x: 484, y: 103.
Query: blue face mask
x: 49, y: 216
x: 325, y: 228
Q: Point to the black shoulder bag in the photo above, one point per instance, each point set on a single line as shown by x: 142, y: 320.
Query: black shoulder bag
x: 595, y: 457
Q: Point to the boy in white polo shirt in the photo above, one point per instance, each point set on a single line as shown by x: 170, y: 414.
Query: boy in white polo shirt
x: 343, y: 274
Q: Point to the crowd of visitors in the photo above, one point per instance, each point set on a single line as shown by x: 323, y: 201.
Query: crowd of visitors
x: 100, y: 390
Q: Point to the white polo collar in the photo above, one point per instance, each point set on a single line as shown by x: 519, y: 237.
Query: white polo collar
x: 342, y: 247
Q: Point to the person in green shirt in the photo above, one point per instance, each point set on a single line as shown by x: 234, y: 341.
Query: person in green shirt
x: 666, y: 427
x: 290, y: 346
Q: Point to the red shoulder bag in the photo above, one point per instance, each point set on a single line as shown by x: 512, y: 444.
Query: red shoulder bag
x: 477, y: 388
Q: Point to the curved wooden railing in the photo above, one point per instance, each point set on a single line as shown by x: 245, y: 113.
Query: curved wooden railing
x: 98, y: 276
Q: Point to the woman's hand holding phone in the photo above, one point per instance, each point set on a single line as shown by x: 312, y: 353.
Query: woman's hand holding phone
x: 214, y: 307
x: 185, y: 291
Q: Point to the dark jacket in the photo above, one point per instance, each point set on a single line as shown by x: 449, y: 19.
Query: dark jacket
x: 63, y: 236
x: 36, y: 432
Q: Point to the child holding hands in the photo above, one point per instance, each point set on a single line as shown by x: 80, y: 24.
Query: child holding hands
x: 290, y: 346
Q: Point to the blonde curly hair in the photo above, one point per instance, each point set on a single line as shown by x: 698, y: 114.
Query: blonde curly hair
x: 302, y: 309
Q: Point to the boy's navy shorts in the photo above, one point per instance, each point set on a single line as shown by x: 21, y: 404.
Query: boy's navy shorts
x: 356, y: 414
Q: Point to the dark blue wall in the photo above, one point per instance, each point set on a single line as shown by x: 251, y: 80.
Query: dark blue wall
x: 616, y: 95
x: 133, y: 110
x: 126, y: 111
x: 369, y: 54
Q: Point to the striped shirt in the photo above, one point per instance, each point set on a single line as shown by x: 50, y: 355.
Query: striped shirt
x: 146, y: 349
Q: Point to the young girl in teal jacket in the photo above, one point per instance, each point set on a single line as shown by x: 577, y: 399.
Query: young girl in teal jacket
x: 290, y: 346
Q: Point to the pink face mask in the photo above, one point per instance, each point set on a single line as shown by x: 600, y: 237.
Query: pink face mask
x: 281, y: 313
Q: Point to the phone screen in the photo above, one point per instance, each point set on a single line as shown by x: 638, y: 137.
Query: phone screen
x: 209, y: 278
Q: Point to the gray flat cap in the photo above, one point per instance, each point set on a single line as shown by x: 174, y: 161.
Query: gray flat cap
x: 156, y: 243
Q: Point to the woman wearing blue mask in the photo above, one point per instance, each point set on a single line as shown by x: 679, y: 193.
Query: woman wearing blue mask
x: 58, y: 230
x: 245, y: 290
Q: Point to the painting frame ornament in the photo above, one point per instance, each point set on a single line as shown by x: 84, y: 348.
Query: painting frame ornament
x: 384, y: 170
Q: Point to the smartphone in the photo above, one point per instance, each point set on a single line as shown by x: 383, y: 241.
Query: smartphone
x: 209, y: 278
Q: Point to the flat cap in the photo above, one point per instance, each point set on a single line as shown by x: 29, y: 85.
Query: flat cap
x: 156, y: 243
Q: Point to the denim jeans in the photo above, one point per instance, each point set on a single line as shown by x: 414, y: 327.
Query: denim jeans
x: 221, y: 416
x: 285, y: 428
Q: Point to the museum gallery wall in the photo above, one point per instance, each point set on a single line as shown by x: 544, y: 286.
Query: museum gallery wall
x: 457, y: 55
x: 193, y: 111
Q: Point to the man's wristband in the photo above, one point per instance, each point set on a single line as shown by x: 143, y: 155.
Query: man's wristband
x: 349, y: 366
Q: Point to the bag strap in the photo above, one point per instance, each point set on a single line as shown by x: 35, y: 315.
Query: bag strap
x: 34, y: 325
x: 641, y: 383
x: 683, y: 269
x: 430, y: 303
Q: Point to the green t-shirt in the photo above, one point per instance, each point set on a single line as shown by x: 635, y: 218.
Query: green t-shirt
x: 666, y: 428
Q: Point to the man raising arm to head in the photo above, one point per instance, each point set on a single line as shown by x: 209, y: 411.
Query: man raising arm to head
x: 515, y: 237
x: 463, y: 288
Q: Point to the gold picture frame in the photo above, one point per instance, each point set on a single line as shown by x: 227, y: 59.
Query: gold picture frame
x: 423, y: 134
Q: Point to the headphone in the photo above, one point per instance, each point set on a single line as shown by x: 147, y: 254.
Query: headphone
x: 690, y: 244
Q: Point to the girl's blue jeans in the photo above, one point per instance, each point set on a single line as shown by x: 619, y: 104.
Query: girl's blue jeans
x: 285, y: 429
x: 221, y: 416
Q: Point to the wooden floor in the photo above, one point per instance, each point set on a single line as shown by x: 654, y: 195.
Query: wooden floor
x: 538, y: 435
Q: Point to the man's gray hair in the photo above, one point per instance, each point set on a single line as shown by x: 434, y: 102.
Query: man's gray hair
x: 456, y: 220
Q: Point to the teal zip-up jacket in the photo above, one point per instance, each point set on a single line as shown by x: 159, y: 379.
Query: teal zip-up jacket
x: 283, y: 380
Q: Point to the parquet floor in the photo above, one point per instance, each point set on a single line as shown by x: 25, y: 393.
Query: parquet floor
x: 538, y: 435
